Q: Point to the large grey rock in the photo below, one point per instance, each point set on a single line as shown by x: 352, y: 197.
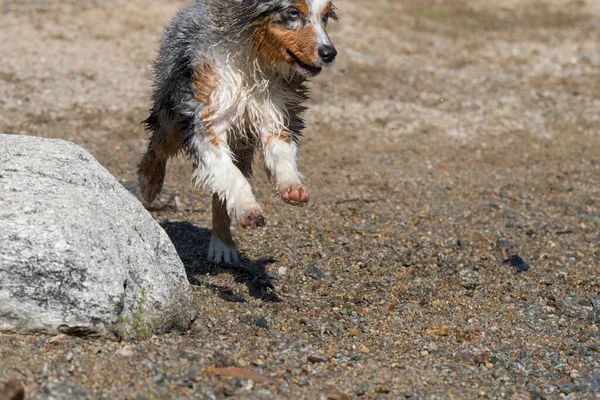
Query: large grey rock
x: 78, y: 253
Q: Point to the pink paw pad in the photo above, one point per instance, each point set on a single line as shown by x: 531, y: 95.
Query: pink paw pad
x: 294, y: 194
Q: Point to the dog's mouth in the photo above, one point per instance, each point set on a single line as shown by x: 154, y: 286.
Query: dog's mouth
x: 304, y: 68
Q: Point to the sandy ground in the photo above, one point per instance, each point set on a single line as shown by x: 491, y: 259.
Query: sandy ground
x: 449, y: 136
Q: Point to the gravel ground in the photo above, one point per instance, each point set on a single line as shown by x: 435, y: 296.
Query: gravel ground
x: 449, y: 137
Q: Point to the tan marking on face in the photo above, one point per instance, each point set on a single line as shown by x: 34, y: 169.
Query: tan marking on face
x: 272, y: 41
x: 326, y: 9
x: 302, y: 7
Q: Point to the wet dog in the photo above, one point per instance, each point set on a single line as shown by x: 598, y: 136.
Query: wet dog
x: 230, y: 81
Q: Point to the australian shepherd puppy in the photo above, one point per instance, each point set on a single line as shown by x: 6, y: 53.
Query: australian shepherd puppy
x: 230, y: 81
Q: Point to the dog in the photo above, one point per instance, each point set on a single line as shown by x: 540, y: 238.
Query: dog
x: 229, y: 81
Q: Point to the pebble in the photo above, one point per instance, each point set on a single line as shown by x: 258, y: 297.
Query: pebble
x: 232, y: 386
x: 316, y: 359
x: 282, y: 271
x: 571, y: 388
x: 124, y: 352
x: 364, y: 350
x: 261, y: 322
x: 342, y: 240
x: 362, y: 390
x: 517, y: 262
x: 302, y: 382
x: 596, y: 381
x: 314, y: 273
x: 574, y: 374
x: 353, y: 332
x: 147, y: 364
x: 69, y: 356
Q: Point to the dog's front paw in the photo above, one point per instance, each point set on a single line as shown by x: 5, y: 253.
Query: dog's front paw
x: 293, y: 193
x: 219, y: 252
x: 253, y: 218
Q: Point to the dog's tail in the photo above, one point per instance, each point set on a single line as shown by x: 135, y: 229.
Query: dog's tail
x: 151, y: 174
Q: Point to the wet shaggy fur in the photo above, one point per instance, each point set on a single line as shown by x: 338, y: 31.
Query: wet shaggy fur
x: 230, y: 82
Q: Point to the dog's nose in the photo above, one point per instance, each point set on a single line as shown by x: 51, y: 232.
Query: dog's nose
x: 327, y: 53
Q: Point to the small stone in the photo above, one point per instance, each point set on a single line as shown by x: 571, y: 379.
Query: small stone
x: 443, y: 331
x: 342, y: 240
x: 353, y: 332
x: 596, y: 381
x: 384, y: 389
x: 282, y: 271
x: 314, y: 273
x: 433, y: 347
x: 261, y: 322
x: 364, y: 350
x: 316, y: 359
x: 124, y: 352
x: 482, y: 358
x: 574, y: 374
x: 469, y: 279
x: 147, y: 364
x: 517, y: 262
x: 232, y: 386
x: 337, y: 396
x: 69, y: 356
x: 302, y: 382
x: 571, y: 388
x: 362, y: 390
x: 158, y: 379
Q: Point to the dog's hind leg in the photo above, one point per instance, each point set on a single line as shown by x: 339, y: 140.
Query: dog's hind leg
x: 166, y: 141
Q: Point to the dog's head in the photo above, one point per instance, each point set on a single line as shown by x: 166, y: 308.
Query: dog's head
x: 293, y: 32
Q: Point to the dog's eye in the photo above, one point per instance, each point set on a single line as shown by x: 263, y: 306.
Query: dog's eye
x: 294, y: 15
x: 325, y: 20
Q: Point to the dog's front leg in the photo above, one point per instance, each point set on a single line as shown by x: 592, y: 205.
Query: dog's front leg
x: 221, y: 247
x: 215, y: 168
x: 280, y: 152
x: 232, y: 194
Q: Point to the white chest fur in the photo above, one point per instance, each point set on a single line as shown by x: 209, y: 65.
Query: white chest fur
x: 250, y: 102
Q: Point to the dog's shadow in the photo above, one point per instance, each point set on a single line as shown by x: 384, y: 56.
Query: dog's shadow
x: 191, y: 244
